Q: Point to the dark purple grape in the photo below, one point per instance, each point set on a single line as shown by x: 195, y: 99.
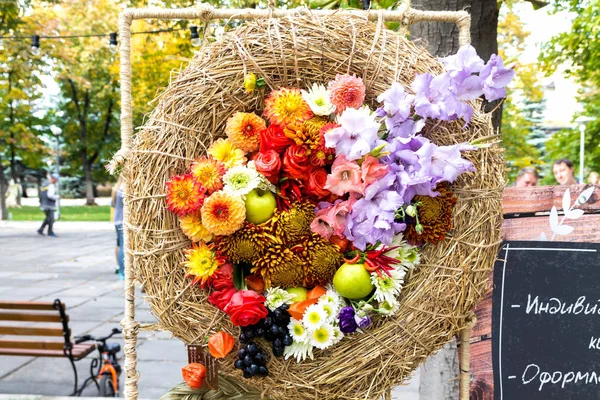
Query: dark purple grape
x: 243, y: 338
x: 250, y: 333
x: 274, y: 330
x: 263, y: 371
x: 277, y: 342
x: 259, y: 358
x: 277, y: 351
x: 248, y: 373
x: 284, y: 307
x: 269, y: 336
x: 278, y: 315
x: 254, y: 369
x: 242, y: 353
x: 252, y: 348
x: 239, y: 364
x: 260, y: 332
x: 248, y: 360
x: 282, y: 331
x: 268, y: 322
x: 287, y: 340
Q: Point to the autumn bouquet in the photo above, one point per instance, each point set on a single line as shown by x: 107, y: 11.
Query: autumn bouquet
x: 306, y: 218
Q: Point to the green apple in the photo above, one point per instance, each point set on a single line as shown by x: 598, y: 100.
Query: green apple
x: 352, y: 281
x: 298, y: 292
x: 260, y: 206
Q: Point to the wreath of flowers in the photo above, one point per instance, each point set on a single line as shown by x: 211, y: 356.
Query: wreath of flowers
x: 306, y: 218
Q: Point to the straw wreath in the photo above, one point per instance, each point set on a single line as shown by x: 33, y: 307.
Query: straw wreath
x: 191, y: 113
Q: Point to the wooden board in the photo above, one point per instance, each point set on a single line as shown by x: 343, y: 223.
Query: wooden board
x: 27, y: 305
x: 542, y: 198
x: 34, y: 317
x: 30, y: 331
x: 31, y: 344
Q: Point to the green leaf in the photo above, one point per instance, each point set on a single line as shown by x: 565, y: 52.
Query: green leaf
x: 537, y: 4
x: 238, y: 277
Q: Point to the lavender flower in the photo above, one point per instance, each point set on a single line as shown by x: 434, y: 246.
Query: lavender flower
x: 443, y: 163
x: 362, y: 322
x: 431, y: 96
x: 357, y: 135
x: 396, y: 102
x: 403, y: 129
x: 347, y: 322
x: 464, y: 63
x: 495, y: 77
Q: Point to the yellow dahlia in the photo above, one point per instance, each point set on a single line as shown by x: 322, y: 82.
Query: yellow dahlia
x: 224, y: 151
x: 286, y: 106
x: 243, y: 129
x: 184, y: 194
x: 434, y: 217
x: 321, y: 260
x: 201, y: 262
x: 209, y: 172
x: 279, y: 266
x: 223, y: 213
x: 192, y: 227
x: 307, y: 134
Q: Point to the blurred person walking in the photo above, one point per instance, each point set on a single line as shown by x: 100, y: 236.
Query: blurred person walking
x: 48, y: 199
x: 117, y: 204
x: 527, y: 177
x: 594, y: 178
x: 563, y: 172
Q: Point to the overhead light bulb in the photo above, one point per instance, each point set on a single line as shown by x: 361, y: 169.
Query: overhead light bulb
x: 35, y: 45
x: 113, y: 44
x: 196, y: 42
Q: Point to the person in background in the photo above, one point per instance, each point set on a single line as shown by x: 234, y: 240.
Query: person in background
x: 594, y: 178
x: 48, y: 199
x: 117, y: 204
x: 527, y: 176
x: 563, y: 172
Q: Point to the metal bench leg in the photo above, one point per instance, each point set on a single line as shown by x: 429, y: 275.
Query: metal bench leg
x: 70, y: 357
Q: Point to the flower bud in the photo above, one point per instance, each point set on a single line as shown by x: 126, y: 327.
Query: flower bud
x: 411, y: 210
x: 250, y: 83
x: 419, y: 228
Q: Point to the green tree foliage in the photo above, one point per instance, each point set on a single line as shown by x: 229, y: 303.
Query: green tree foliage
x: 578, y: 50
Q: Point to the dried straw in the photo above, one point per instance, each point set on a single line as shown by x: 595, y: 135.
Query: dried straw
x: 191, y: 113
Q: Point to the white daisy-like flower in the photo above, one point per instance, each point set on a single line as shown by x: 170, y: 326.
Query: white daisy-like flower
x: 277, y: 297
x: 299, y: 350
x: 322, y: 337
x: 387, y: 309
x: 318, y: 100
x: 240, y: 180
x: 332, y: 297
x: 297, y: 331
x: 337, y: 334
x: 408, y: 255
x: 314, y: 316
x: 331, y: 310
x: 387, y: 287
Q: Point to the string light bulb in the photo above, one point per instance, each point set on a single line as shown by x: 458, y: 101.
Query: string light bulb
x: 195, y: 36
x: 35, y: 45
x: 113, y: 44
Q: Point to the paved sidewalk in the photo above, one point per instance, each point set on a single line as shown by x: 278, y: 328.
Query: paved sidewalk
x: 78, y: 267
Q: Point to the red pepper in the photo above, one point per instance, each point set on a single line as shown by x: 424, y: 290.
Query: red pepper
x: 375, y: 253
x: 371, y: 266
x: 354, y: 259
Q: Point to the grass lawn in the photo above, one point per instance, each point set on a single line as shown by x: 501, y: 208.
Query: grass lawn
x: 70, y: 213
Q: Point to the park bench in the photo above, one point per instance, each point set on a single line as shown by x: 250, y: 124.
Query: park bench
x: 26, y: 315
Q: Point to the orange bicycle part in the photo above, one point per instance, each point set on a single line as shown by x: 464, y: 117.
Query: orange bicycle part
x: 113, y: 372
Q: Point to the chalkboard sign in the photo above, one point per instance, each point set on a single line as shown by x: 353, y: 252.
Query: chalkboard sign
x: 546, y: 321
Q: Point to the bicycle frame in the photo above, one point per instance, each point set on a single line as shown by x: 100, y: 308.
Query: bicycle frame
x: 107, y: 367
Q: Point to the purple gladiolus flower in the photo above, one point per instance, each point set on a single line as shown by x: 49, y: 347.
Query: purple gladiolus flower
x: 347, y: 322
x: 431, y: 93
x: 495, y: 77
x: 443, y: 163
x: 464, y: 63
x: 357, y: 135
x: 403, y: 129
x: 362, y: 322
x: 396, y: 102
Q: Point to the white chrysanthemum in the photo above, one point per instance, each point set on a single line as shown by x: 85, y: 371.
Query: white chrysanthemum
x: 299, y: 350
x: 387, y: 287
x: 322, y: 337
x: 387, y: 309
x: 318, y: 100
x: 332, y: 297
x: 277, y: 297
x: 337, y: 334
x: 331, y: 310
x: 240, y: 180
x: 297, y: 331
x: 408, y: 255
x: 314, y: 316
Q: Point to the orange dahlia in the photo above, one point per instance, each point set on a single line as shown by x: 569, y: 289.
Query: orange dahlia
x: 435, y: 217
x: 202, y: 262
x: 184, y: 194
x: 286, y: 106
x: 346, y: 91
x: 209, y: 172
x: 243, y: 129
x: 192, y: 227
x: 224, y: 151
x: 223, y: 213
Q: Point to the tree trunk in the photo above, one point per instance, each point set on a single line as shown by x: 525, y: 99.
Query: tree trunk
x: 11, y: 113
x: 3, y: 189
x: 439, y: 378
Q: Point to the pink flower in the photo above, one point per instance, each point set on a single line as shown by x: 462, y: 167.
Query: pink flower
x: 331, y: 220
x: 371, y: 170
x: 344, y: 177
x: 346, y: 91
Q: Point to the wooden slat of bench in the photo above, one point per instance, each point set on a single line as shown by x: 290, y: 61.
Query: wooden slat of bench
x: 31, y: 344
x: 25, y: 316
x: 30, y: 331
x: 79, y: 351
x: 27, y: 305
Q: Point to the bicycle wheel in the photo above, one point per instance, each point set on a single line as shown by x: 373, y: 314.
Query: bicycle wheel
x: 106, y: 386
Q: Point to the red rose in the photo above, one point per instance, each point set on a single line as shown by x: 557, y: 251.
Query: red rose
x: 246, y: 308
x: 273, y: 138
x: 316, y: 183
x: 223, y: 277
x: 268, y: 164
x: 221, y: 298
x: 296, y: 163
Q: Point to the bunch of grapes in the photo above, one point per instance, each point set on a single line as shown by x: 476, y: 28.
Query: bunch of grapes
x: 251, y: 360
x: 273, y: 328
